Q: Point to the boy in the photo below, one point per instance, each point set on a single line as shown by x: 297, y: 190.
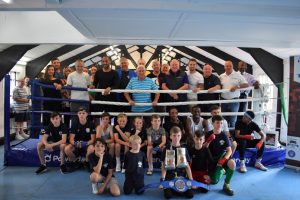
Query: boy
x: 102, y: 167
x: 219, y: 146
x: 121, y: 134
x: 54, y: 138
x: 243, y: 131
x: 134, y: 164
x: 201, y: 157
x: 175, y: 160
x: 156, y: 140
x: 82, y: 136
x: 216, y: 110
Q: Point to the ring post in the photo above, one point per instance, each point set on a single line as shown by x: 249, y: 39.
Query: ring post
x: 6, y: 117
x: 36, y: 105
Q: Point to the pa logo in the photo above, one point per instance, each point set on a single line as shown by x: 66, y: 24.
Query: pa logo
x: 291, y: 153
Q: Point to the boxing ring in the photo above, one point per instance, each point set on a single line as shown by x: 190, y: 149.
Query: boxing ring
x: 24, y: 153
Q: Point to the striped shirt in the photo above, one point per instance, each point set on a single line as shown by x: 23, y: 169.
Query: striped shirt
x: 20, y: 93
x: 146, y: 84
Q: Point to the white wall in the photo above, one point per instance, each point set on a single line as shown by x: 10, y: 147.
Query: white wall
x: 2, y: 108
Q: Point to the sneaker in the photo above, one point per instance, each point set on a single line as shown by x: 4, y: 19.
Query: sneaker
x: 260, y: 166
x: 118, y: 168
x: 63, y: 169
x: 149, y: 173
x: 24, y: 135
x: 123, y: 171
x: 243, y: 168
x: 19, y: 137
x: 41, y: 169
x: 94, y: 188
x: 227, y: 189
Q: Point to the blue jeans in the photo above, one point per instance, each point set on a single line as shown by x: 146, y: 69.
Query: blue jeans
x: 230, y: 107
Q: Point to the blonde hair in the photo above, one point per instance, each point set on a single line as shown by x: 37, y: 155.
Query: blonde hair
x: 135, y: 138
x: 121, y: 115
x: 175, y: 130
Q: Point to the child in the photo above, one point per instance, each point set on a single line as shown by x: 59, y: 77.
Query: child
x: 104, y: 131
x: 156, y: 140
x: 54, y: 138
x: 219, y: 146
x: 201, y: 157
x: 102, y: 167
x: 82, y: 136
x: 121, y: 134
x: 139, y: 130
x: 175, y: 163
x: 134, y: 164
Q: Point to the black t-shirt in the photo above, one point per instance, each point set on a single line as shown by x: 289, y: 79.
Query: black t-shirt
x: 124, y: 130
x: 210, y: 82
x: 142, y: 134
x: 55, y: 133
x: 107, y: 163
x: 51, y: 92
x: 218, y: 146
x: 246, y: 129
x: 83, y: 132
x: 135, y: 163
x: 102, y: 80
x: 180, y: 171
x: 124, y: 80
x: 200, y: 158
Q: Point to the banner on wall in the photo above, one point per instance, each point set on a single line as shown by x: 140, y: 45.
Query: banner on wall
x: 293, y: 139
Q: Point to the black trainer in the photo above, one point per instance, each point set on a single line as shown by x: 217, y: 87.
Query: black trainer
x: 41, y: 169
x: 228, y: 190
x: 63, y: 169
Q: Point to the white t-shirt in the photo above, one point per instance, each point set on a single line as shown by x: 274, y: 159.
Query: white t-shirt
x: 81, y: 80
x: 228, y: 81
x: 194, y: 79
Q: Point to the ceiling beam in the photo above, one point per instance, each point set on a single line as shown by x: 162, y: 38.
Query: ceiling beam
x: 127, y: 55
x: 83, y: 55
x: 216, y: 66
x: 155, y: 55
x: 10, y: 56
x: 225, y: 56
x: 35, y: 66
x: 272, y: 65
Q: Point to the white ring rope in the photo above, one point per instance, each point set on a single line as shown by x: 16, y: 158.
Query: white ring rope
x: 264, y: 99
x: 169, y: 91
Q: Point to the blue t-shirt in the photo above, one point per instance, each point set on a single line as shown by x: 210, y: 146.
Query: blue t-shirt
x: 218, y: 146
x: 146, y: 84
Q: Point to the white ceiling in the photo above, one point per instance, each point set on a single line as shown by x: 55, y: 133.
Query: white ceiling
x: 226, y: 24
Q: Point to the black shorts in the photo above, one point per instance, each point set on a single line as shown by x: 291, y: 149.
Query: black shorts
x: 22, y: 116
x: 80, y: 151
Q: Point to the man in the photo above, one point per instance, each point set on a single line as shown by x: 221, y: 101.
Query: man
x: 211, y: 84
x: 157, y: 78
x: 196, y: 81
x: 80, y: 79
x: 232, y: 81
x: 141, y: 82
x: 242, y: 67
x: 21, y: 106
x: 176, y: 80
x: 125, y: 74
x: 106, y: 78
x: 58, y: 73
x: 245, y: 138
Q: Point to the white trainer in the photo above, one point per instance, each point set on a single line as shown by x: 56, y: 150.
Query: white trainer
x: 243, y: 168
x: 260, y: 166
x: 19, y: 137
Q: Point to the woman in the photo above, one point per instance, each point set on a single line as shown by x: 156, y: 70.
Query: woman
x: 55, y: 92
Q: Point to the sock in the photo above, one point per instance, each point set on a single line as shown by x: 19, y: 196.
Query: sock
x: 258, y: 160
x: 118, y: 160
x: 151, y: 167
x: 242, y: 162
x: 217, y: 175
x: 229, y: 174
x: 95, y: 188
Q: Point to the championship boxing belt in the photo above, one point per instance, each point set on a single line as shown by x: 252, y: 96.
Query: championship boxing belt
x: 179, y: 184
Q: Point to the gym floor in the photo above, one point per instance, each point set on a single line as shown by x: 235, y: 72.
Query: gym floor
x: 21, y: 183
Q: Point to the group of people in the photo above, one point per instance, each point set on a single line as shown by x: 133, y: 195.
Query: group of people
x: 194, y: 147
x: 197, y: 149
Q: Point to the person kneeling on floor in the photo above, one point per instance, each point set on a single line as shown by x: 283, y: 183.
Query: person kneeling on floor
x: 245, y: 138
x: 102, y: 167
x: 54, y: 138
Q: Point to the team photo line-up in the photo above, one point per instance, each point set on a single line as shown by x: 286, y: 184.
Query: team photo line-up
x: 197, y: 148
